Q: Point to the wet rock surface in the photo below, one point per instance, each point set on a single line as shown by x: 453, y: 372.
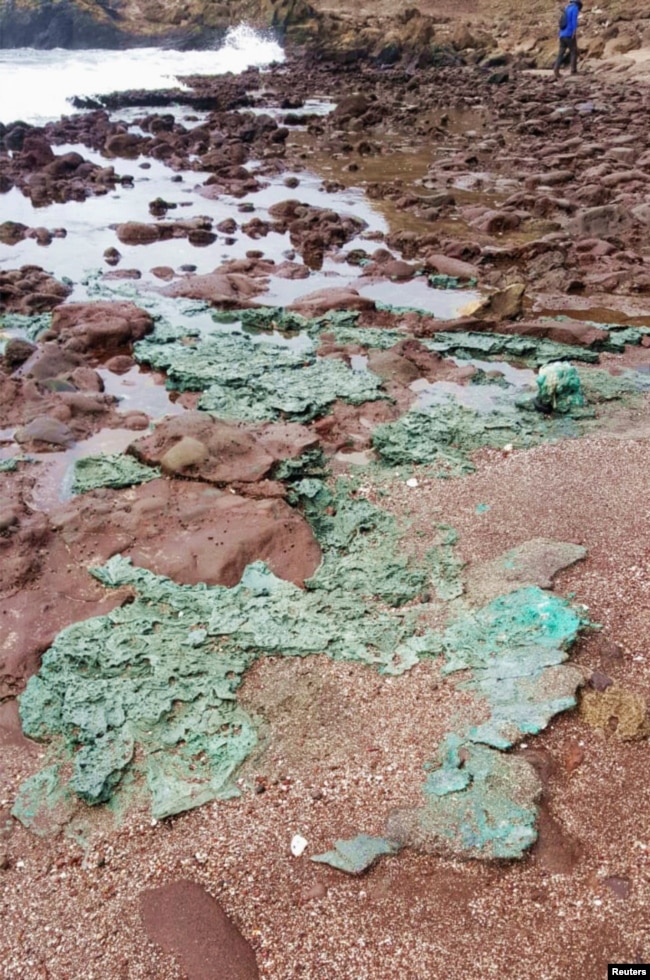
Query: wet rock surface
x: 543, y: 212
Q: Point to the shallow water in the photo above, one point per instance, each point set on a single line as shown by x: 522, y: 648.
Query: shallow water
x: 36, y: 86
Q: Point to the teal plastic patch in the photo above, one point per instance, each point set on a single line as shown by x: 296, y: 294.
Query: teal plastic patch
x: 161, y: 674
x: 526, y: 618
x: 241, y: 379
x: 480, y: 803
x: 356, y: 855
x: 446, y: 434
x: 115, y: 470
x: 559, y: 388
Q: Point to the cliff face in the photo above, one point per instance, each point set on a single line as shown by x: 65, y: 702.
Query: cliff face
x: 435, y: 32
x: 120, y: 23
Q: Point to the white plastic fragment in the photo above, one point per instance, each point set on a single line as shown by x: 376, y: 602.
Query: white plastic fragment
x: 298, y: 845
x: 412, y: 482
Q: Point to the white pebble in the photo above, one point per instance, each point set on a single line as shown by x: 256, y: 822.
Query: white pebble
x: 298, y: 845
x: 412, y: 482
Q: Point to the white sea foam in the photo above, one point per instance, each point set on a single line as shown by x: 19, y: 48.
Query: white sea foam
x: 36, y: 85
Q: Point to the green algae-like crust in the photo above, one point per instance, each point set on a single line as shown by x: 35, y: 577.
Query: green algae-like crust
x: 447, y: 433
x: 357, y: 854
x: 471, y: 344
x: 480, y: 803
x: 241, y: 379
x: 161, y: 673
x: 114, y: 470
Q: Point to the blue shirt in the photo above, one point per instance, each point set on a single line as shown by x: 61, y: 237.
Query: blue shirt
x: 572, y: 12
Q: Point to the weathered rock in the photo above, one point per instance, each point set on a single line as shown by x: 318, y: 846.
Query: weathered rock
x: 447, y: 266
x: 17, y: 351
x: 45, y: 429
x: 197, y: 445
x: 504, y: 304
x: 191, y: 925
x: 30, y: 290
x: 103, y: 326
x: 229, y: 290
x: 337, y: 298
x: 601, y: 222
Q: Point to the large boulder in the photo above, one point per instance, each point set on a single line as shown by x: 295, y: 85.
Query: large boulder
x: 229, y: 290
x: 197, y: 445
x: 335, y: 298
x: 104, y: 326
x: 30, y: 290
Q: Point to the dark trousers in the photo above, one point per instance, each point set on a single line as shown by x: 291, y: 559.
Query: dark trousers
x: 568, y: 49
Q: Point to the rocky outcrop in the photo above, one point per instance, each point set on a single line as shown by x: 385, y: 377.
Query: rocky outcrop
x: 113, y: 24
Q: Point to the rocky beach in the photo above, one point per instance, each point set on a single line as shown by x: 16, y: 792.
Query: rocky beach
x: 324, y: 442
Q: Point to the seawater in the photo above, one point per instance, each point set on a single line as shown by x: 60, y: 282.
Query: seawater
x: 37, y: 86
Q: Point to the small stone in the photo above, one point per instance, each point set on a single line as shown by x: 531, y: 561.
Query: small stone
x: 412, y: 482
x: 317, y: 892
x: 574, y: 757
x: 619, y: 886
x: 600, y: 681
x: 298, y: 845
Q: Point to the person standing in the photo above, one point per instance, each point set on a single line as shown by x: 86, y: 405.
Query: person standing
x: 568, y: 37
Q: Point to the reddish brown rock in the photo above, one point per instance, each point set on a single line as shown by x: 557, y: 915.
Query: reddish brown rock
x: 30, y: 290
x: 104, y: 327
x: 197, y: 445
x: 191, y: 925
x: 188, y: 531
x: 447, y: 266
x: 337, y: 298
x: 230, y: 290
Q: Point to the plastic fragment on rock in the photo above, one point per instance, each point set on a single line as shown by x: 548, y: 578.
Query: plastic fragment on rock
x: 559, y: 388
x: 472, y: 344
x: 480, y: 803
x: 357, y: 854
x: 112, y: 470
x: 526, y: 618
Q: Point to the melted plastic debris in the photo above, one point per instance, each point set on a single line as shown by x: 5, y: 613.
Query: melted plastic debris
x: 480, y: 803
x: 525, y: 690
x: 114, y: 470
x: 371, y: 337
x: 445, y: 434
x: 446, y: 566
x: 357, y: 854
x: 601, y: 386
x: 528, y: 617
x: 46, y: 801
x: 25, y: 325
x: 272, y: 318
x: 515, y: 648
x: 254, y: 382
x: 532, y: 350
x: 559, y: 388
x: 442, y: 281
x: 161, y: 673
x: 362, y: 553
